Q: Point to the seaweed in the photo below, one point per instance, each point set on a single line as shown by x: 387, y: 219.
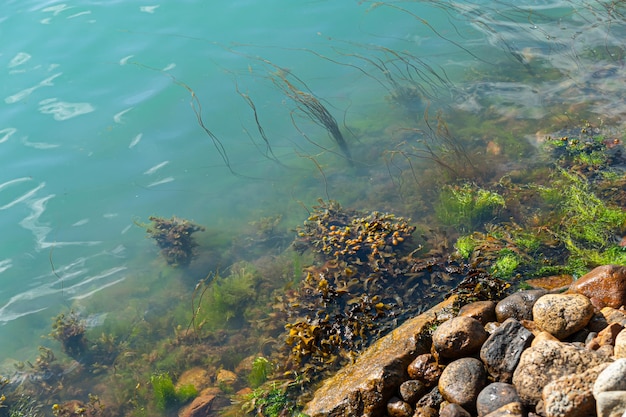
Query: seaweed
x: 174, y: 238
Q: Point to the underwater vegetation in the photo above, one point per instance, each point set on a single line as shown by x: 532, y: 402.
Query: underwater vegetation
x: 70, y: 331
x: 467, y: 206
x: 174, y: 238
x: 166, y: 395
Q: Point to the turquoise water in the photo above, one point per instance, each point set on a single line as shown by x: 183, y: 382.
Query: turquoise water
x: 98, y: 128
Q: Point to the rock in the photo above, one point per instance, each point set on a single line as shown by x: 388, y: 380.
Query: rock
x: 571, y: 395
x: 518, y: 305
x: 207, y: 404
x: 620, y: 345
x: 198, y: 377
x: 461, y: 382
x: 454, y: 410
x: 412, y: 390
x: 398, y: 408
x: 483, y: 311
x: 226, y: 379
x: 606, y: 337
x: 428, y: 405
x: 458, y: 337
x: 611, y: 404
x: 514, y: 409
x: 426, y: 369
x: 541, y: 336
x: 494, y: 396
x: 364, y: 387
x: 613, y: 378
x: 501, y: 351
x: 547, y: 361
x: 604, y: 286
x: 551, y: 283
x: 605, y: 317
x: 562, y: 314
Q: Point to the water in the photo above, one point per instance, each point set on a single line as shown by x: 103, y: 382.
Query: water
x: 98, y: 129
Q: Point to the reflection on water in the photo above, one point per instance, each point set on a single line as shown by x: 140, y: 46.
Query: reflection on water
x: 240, y: 117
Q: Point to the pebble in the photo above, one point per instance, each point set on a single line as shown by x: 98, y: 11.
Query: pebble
x: 604, y: 286
x: 620, y: 345
x: 459, y: 337
x: 518, y: 305
x: 562, y: 315
x: 613, y: 378
x: 494, y: 396
x: 426, y: 369
x: 428, y: 405
x: 514, y: 409
x: 453, y: 410
x: 571, y: 395
x: 501, y: 351
x: 611, y: 404
x: 605, y: 317
x: 606, y: 337
x: 398, y: 408
x: 412, y: 390
x: 461, y: 382
x: 483, y: 311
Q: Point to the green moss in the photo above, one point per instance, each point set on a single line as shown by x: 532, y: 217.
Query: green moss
x: 465, y: 246
x: 467, y: 206
x: 261, y: 368
x: 505, y: 266
x: 166, y: 396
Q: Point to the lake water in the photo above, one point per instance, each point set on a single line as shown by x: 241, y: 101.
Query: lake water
x: 100, y: 127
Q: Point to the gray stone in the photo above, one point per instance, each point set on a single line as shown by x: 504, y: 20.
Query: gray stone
x: 571, y: 395
x: 494, y: 396
x: 364, y: 387
x: 428, y: 405
x: 620, y: 345
x: 425, y: 368
x: 611, y: 404
x: 398, y: 408
x: 501, y: 351
x: 518, y: 305
x: 514, y: 409
x: 562, y: 315
x: 412, y: 390
x: 462, y: 381
x: 613, y: 378
x: 545, y: 362
x: 454, y: 410
x: 459, y: 337
x: 483, y: 311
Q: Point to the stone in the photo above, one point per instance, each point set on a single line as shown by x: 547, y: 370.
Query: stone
x: 514, y: 409
x: 398, y: 408
x: 459, y: 337
x: 428, y: 405
x: 363, y: 388
x: 551, y: 283
x: 620, y: 345
x: 541, y: 336
x: 425, y: 368
x: 483, y: 311
x: 518, y: 305
x: 611, y: 404
x: 198, y: 377
x: 613, y: 378
x: 412, y: 390
x: 207, y: 404
x: 546, y: 362
x: 562, y: 315
x: 606, y: 337
x: 461, y: 382
x: 605, y: 317
x: 605, y: 286
x: 453, y: 410
x: 226, y: 378
x: 501, y: 351
x: 494, y: 396
x: 571, y: 395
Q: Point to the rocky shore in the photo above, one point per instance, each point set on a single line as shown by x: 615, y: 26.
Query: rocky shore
x: 544, y: 351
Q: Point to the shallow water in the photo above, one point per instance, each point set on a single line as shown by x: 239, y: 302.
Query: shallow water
x: 98, y: 128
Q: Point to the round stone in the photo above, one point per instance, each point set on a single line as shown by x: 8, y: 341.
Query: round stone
x: 518, y: 305
x: 459, y: 337
x: 398, y: 408
x: 461, y: 382
x: 426, y: 369
x: 612, y: 378
x: 562, y: 315
x: 494, y: 396
x: 412, y: 390
x: 483, y: 311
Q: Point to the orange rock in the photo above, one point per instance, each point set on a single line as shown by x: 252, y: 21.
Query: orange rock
x: 604, y: 286
x: 551, y: 282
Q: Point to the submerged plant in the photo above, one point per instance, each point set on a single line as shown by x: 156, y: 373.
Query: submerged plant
x: 261, y: 368
x: 70, y: 331
x: 174, y: 238
x: 166, y: 396
x: 467, y: 206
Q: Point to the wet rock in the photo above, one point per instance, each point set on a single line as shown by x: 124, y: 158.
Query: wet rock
x: 571, y: 395
x: 514, y: 409
x: 605, y: 317
x: 483, y: 311
x: 429, y: 404
x: 207, y: 404
x: 364, y: 387
x: 606, y: 337
x: 398, y: 408
x: 226, y: 378
x: 494, y: 396
x: 613, y: 378
x: 620, y: 345
x: 552, y: 282
x: 412, y: 390
x: 461, y: 382
x: 604, y: 286
x: 546, y: 362
x: 501, y: 351
x: 458, y: 337
x: 611, y: 404
x: 562, y: 314
x: 518, y: 305
x: 198, y: 377
x: 454, y: 410
x: 426, y: 369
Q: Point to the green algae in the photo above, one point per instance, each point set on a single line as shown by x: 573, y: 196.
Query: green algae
x: 467, y: 206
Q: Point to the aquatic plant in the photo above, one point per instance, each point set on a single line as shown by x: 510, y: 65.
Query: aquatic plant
x: 174, y: 238
x: 271, y: 401
x: 166, y: 396
x: 467, y: 206
x: 69, y: 329
x: 506, y: 264
x: 261, y: 368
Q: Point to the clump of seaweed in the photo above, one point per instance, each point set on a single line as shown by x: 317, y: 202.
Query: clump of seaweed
x: 174, y: 238
x: 467, y: 206
x: 69, y: 329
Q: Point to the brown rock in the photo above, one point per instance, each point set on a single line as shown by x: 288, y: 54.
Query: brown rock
x: 364, y: 387
x: 428, y: 405
x: 483, y: 311
x: 226, y: 379
x: 398, y: 408
x: 208, y: 404
x: 198, y: 377
x: 459, y: 337
x: 551, y: 282
x: 514, y: 409
x: 571, y: 395
x: 546, y: 362
x: 562, y: 314
x: 426, y: 369
x: 620, y: 345
x: 412, y: 390
x: 462, y: 381
x: 541, y: 336
x: 605, y: 317
x: 606, y: 337
x: 604, y: 286
x: 518, y: 305
x: 453, y: 410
